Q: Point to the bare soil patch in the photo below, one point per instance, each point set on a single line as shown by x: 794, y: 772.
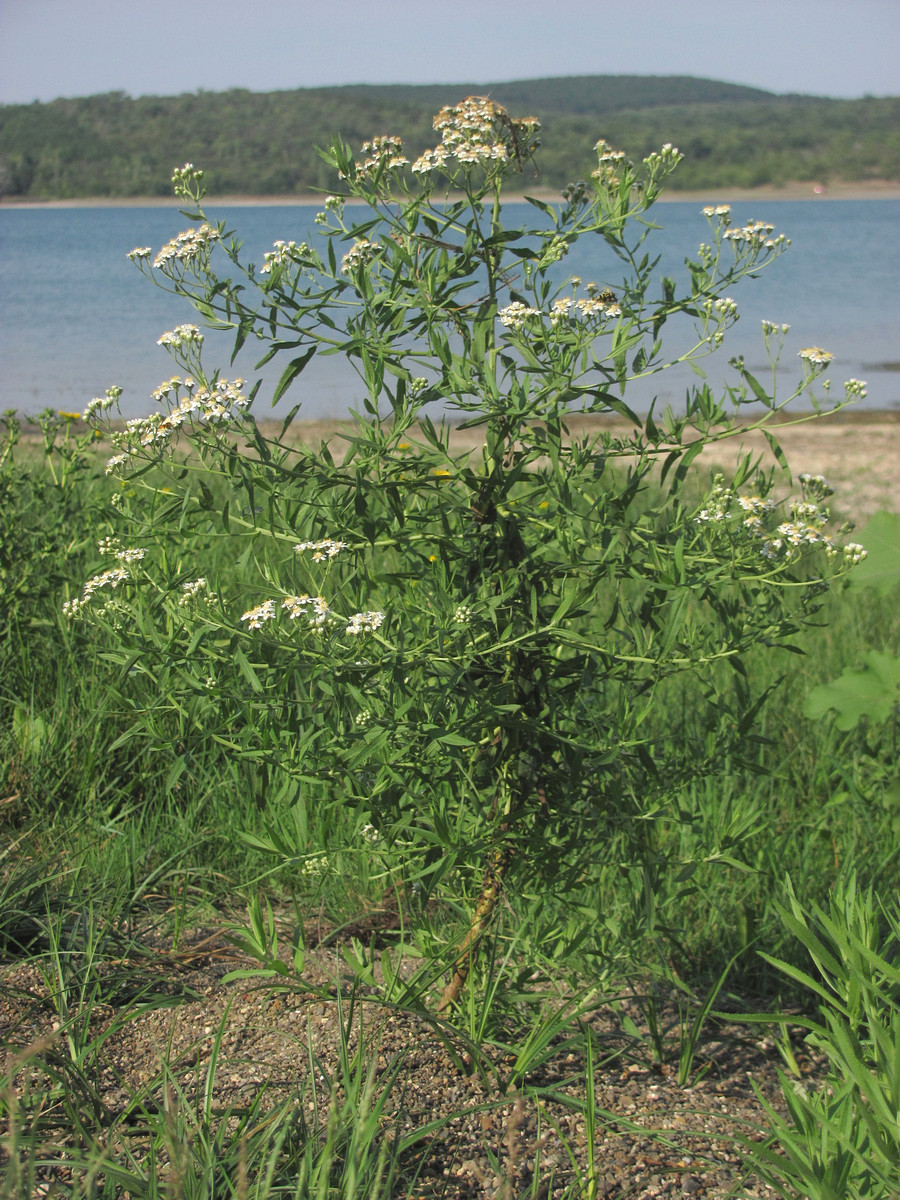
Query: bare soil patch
x: 655, y: 1139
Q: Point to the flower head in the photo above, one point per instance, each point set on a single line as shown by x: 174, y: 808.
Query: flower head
x: 326, y: 548
x: 283, y: 253
x: 188, y: 245
x: 181, y: 335
x: 381, y: 154
x: 514, y: 315
x: 256, y: 616
x: 816, y: 356
x: 364, y: 622
x: 479, y: 131
x: 101, y: 403
x: 362, y: 253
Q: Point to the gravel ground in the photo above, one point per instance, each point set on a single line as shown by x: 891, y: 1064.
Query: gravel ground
x: 655, y: 1138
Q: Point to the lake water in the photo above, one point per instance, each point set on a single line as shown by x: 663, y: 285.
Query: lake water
x: 77, y: 316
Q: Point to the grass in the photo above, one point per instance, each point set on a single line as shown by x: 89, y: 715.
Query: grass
x: 113, y: 846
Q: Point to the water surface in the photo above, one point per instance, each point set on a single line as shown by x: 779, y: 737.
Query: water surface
x: 78, y: 317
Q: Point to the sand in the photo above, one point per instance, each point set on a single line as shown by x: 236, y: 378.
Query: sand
x: 871, y: 189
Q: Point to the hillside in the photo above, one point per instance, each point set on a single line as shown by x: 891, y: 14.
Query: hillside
x: 264, y: 143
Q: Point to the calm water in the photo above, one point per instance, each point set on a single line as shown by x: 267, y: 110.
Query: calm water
x: 77, y: 317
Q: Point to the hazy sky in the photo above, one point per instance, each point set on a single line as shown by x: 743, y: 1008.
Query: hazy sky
x: 51, y: 48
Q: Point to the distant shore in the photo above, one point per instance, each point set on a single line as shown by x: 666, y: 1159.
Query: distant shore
x: 873, y: 189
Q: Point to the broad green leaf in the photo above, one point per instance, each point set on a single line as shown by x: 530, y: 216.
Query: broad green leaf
x: 870, y: 692
x: 880, y: 569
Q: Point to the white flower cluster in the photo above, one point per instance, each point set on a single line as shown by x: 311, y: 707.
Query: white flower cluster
x: 101, y: 403
x: 805, y: 528
x: 211, y: 405
x: 326, y: 548
x: 182, y: 177
x: 139, y: 253
x: 255, y: 617
x: 362, y: 253
x: 815, y: 356
x: 597, y: 307
x: 756, y: 235
x: 722, y: 211
x: 316, y: 865
x: 606, y: 154
x: 663, y: 161
x: 720, y: 502
x: 317, y: 612
x: 383, y: 153
x: 854, y: 553
x: 315, y: 607
x: 283, y: 253
x: 171, y: 387
x: 364, y: 622
x: 117, y: 460
x: 195, y: 589
x: 756, y: 508
x: 723, y: 309
x: 369, y: 835
x: 855, y: 389
x: 186, y: 246
x: 816, y: 486
x: 479, y: 131
x: 514, y: 315
x: 111, y: 579
x: 462, y: 614
x: 609, y: 161
x: 181, y: 335
x: 772, y: 327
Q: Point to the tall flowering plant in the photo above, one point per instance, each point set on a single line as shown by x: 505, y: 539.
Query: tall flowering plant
x: 474, y: 653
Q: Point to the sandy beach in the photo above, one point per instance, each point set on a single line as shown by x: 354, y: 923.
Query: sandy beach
x: 872, y: 189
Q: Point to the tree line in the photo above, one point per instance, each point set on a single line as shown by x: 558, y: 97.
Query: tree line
x: 263, y: 143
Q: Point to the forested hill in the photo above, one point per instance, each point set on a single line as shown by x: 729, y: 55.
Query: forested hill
x: 264, y: 143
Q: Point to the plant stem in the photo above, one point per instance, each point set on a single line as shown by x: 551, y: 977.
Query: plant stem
x: 485, y: 910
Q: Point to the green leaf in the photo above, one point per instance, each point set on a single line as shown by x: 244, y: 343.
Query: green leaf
x: 290, y: 373
x: 756, y: 387
x: 776, y: 449
x: 870, y: 693
x: 541, y: 204
x: 29, y: 731
x: 677, y: 615
x: 880, y: 569
x: 246, y: 670
x: 454, y: 739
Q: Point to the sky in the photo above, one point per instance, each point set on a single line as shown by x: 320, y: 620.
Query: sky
x: 53, y: 48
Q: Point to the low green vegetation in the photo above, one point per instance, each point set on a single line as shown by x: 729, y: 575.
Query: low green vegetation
x: 588, y: 721
x: 264, y: 144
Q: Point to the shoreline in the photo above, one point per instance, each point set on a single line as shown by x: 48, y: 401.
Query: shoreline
x: 875, y: 189
x: 856, y: 450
